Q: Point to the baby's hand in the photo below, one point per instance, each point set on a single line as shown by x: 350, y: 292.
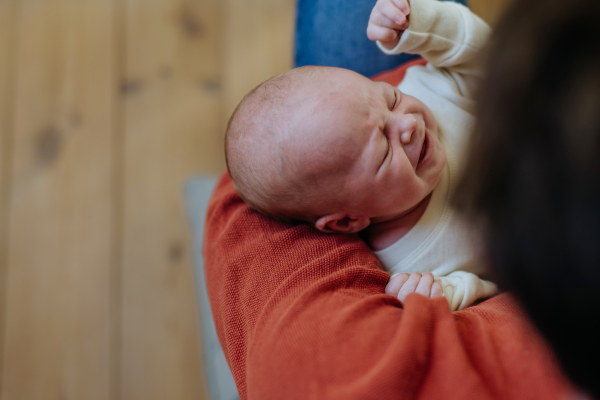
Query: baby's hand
x: 403, y: 284
x: 387, y: 21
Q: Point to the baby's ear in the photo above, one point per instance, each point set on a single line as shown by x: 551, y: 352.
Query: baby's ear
x: 341, y: 223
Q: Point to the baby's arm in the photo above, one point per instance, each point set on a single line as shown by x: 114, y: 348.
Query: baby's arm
x: 403, y: 284
x: 446, y: 34
x: 460, y: 288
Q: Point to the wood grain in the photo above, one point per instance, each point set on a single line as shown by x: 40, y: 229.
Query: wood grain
x: 7, y: 60
x: 171, y: 96
x: 57, y: 321
x: 258, y: 39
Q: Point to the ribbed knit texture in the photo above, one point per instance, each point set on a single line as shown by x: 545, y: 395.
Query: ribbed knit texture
x: 303, y: 315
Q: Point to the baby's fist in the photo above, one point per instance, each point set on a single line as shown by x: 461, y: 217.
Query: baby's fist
x: 404, y: 284
x: 387, y: 21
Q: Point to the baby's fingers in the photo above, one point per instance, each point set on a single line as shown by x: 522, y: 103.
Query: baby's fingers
x: 375, y: 32
x: 409, y: 286
x: 402, y: 6
x: 424, y: 286
x: 388, y: 15
x: 436, y: 290
x: 395, y: 283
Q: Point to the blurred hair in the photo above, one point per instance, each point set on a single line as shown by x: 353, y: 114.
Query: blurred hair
x: 533, y: 176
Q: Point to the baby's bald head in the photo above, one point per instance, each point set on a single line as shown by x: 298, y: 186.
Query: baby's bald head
x: 330, y: 146
x: 268, y: 145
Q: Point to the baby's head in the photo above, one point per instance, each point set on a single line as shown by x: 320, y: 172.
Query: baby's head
x: 329, y: 146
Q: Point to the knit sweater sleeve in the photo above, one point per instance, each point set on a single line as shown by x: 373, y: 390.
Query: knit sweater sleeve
x: 446, y: 34
x: 303, y: 315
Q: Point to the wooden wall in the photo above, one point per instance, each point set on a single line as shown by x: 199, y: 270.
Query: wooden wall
x: 106, y: 107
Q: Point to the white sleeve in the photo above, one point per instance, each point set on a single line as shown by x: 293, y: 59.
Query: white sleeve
x: 448, y: 35
x: 462, y: 289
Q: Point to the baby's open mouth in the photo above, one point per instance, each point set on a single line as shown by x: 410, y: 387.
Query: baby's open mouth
x: 423, y: 150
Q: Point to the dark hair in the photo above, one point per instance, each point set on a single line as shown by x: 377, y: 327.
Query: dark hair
x: 533, y: 176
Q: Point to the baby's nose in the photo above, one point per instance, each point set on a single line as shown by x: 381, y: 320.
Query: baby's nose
x: 408, y: 125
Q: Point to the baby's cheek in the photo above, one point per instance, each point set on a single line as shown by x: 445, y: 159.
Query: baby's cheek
x: 442, y: 158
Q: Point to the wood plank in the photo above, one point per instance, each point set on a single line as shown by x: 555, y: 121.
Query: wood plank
x: 258, y: 44
x: 7, y: 39
x: 57, y: 324
x: 172, y: 105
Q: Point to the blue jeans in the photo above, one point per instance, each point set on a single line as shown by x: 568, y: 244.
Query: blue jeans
x: 334, y: 33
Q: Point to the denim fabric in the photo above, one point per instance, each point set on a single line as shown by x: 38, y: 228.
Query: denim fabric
x: 333, y: 33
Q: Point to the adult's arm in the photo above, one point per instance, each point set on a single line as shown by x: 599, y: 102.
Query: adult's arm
x: 302, y: 315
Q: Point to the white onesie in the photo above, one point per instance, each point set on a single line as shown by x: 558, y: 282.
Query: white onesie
x: 449, y: 37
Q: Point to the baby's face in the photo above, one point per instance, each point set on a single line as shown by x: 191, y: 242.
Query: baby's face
x: 387, y: 142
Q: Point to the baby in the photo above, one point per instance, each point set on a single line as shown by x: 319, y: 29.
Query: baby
x: 333, y: 148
